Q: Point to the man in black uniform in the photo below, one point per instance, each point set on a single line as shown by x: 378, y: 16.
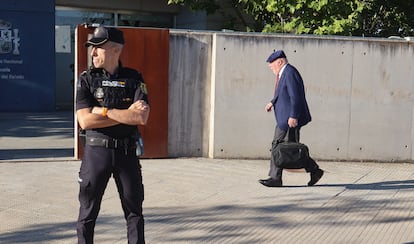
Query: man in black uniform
x: 111, y: 101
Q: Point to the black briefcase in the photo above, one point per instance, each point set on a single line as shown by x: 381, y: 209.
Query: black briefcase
x: 290, y: 154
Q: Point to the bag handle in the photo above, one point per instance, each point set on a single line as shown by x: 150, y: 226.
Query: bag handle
x: 293, y: 137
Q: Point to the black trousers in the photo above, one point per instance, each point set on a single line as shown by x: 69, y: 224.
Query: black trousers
x: 276, y: 172
x: 98, y: 164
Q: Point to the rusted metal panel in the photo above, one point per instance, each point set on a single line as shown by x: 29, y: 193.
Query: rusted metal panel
x: 146, y: 50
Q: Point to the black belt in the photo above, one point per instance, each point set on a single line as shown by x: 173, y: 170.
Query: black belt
x: 110, y: 142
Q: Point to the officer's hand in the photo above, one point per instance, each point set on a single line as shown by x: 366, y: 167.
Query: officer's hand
x: 139, y: 105
x: 97, y: 110
x: 141, y: 111
x: 268, y: 107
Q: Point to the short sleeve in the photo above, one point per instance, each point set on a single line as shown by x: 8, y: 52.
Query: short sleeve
x: 141, y: 92
x: 84, y: 98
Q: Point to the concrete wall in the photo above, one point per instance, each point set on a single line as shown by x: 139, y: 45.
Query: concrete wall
x: 360, y: 92
x: 189, y: 94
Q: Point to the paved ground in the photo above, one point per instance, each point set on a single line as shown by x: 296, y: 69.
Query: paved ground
x: 31, y: 136
x: 197, y: 200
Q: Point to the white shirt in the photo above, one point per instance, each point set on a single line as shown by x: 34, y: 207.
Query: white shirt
x: 281, y: 70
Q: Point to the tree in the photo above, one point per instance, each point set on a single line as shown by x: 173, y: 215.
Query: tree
x: 388, y: 17
x: 322, y: 17
x: 307, y: 16
x: 210, y: 6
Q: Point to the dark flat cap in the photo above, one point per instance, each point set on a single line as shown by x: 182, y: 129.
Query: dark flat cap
x: 101, y: 35
x: 275, y: 55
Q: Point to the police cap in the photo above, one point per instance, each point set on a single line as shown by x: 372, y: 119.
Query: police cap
x: 101, y: 35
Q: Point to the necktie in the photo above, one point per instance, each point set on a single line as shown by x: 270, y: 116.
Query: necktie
x: 277, y: 83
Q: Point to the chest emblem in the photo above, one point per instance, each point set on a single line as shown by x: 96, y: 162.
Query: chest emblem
x: 99, y: 93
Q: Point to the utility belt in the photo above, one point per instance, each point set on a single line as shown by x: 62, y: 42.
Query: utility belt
x: 135, y: 143
x: 123, y: 143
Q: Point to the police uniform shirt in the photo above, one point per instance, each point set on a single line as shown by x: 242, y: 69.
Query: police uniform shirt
x: 96, y: 87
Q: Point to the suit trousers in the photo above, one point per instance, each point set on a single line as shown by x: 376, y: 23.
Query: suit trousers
x: 98, y: 164
x: 280, y: 135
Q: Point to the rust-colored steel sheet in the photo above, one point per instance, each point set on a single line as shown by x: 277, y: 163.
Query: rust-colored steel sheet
x: 146, y: 50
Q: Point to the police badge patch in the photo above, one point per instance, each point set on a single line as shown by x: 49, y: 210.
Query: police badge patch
x: 144, y: 88
x: 99, y: 93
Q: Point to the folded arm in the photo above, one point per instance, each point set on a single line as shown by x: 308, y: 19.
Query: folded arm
x: 91, y: 118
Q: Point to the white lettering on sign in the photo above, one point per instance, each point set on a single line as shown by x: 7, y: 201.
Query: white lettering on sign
x: 12, y: 61
x: 5, y: 70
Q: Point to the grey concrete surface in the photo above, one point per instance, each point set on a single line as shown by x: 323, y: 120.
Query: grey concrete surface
x: 200, y: 200
x: 36, y: 136
x: 357, y: 89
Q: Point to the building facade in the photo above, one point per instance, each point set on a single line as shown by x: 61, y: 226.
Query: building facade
x: 70, y: 13
x: 27, y: 55
x: 37, y: 43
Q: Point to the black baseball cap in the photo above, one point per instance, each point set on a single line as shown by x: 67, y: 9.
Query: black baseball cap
x: 101, y: 35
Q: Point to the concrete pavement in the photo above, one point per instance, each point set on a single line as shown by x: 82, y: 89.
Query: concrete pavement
x: 198, y: 200
x: 36, y: 136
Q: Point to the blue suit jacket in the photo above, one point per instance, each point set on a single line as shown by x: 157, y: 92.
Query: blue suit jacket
x: 290, y: 100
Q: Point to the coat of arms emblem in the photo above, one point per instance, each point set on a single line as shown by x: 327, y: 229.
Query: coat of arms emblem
x: 9, y: 38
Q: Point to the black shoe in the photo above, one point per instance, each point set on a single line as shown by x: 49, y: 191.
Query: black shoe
x: 271, y: 182
x: 315, y: 177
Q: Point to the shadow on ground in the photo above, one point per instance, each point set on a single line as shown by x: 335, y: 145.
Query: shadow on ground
x: 36, y: 135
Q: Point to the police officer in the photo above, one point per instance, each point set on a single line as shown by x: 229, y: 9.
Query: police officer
x: 111, y: 101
